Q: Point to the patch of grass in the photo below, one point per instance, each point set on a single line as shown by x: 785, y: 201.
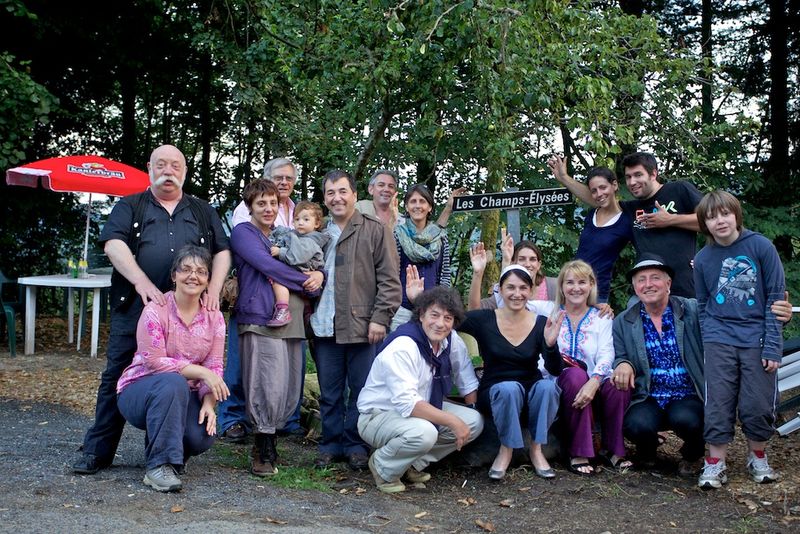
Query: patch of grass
x: 748, y: 524
x: 306, y: 478
x: 229, y: 455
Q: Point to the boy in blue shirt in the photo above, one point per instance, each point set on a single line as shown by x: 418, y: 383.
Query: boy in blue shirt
x: 738, y: 275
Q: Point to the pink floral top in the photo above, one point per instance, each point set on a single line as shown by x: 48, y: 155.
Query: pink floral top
x: 165, y: 344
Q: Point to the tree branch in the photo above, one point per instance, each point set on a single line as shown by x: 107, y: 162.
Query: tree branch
x: 374, y: 136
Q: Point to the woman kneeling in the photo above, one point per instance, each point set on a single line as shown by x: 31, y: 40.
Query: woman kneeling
x: 172, y: 386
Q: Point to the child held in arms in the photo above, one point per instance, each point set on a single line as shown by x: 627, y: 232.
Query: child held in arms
x: 301, y: 248
x: 738, y: 275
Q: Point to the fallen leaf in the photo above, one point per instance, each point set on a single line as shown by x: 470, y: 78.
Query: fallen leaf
x: 269, y: 519
x: 360, y: 491
x: 421, y: 514
x: 414, y: 529
x: 526, y: 488
x: 469, y: 501
x: 485, y: 525
x: 506, y: 503
x: 43, y: 423
x: 344, y: 491
x: 176, y: 509
x: 679, y: 492
x: 672, y: 524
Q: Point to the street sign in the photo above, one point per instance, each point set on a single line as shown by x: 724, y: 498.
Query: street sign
x: 513, y: 200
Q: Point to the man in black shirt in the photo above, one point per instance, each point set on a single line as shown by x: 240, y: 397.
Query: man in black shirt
x: 141, y: 237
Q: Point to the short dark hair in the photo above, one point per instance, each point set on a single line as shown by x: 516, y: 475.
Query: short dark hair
x: 423, y: 191
x: 602, y: 172
x: 715, y: 202
x: 444, y: 297
x: 336, y: 175
x: 645, y: 159
x: 201, y: 254
x: 256, y: 188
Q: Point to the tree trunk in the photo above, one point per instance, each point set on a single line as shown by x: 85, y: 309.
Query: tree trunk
x: 706, y: 47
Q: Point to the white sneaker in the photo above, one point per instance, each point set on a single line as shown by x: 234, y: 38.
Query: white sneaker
x: 759, y: 469
x: 162, y: 478
x: 713, y: 475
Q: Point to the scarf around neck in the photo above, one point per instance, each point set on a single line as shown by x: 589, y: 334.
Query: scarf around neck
x: 440, y: 366
x: 422, y: 247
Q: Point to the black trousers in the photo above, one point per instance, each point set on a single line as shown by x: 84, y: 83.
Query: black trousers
x: 645, y: 419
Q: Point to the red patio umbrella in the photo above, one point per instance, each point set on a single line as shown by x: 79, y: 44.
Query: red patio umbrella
x: 81, y: 174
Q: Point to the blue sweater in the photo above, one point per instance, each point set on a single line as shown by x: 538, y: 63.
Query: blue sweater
x: 736, y: 285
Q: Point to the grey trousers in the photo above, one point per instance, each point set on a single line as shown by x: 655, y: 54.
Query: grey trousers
x: 736, y: 381
x: 272, y: 377
x: 401, y: 442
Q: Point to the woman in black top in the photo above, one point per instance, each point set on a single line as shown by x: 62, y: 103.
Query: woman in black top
x: 510, y: 340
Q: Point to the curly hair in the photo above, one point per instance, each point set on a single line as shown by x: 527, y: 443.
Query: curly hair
x: 446, y: 298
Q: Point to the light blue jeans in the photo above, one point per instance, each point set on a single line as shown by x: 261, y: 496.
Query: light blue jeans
x: 508, y: 399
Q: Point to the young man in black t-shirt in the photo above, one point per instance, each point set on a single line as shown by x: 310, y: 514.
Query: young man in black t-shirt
x: 664, y: 222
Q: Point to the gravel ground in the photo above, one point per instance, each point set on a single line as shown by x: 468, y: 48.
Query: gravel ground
x: 45, y: 407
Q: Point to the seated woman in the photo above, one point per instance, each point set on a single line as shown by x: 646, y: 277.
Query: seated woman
x: 172, y: 386
x: 587, y: 347
x: 511, y: 339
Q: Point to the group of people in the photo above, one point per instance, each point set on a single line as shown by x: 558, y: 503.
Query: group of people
x: 368, y: 289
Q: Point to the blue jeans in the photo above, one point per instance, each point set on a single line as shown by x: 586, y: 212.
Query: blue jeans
x: 508, y: 400
x: 104, y: 435
x: 233, y: 410
x: 341, y: 368
x: 165, y: 407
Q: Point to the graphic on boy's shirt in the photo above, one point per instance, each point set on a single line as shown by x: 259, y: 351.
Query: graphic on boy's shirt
x: 737, y: 280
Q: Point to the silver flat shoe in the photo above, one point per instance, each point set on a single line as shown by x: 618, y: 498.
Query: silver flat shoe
x: 545, y: 473
x: 497, y: 474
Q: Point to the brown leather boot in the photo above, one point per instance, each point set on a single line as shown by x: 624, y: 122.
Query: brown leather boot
x: 263, y: 456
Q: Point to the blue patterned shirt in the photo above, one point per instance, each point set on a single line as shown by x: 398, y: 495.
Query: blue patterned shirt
x: 669, y: 380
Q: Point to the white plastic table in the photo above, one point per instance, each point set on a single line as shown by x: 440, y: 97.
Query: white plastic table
x: 95, y: 282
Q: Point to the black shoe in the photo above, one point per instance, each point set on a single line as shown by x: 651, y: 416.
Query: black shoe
x: 357, y: 461
x: 236, y: 433
x: 89, y: 464
x: 324, y: 459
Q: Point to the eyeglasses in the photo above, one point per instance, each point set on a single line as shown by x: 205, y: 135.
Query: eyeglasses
x: 201, y: 272
x: 283, y: 178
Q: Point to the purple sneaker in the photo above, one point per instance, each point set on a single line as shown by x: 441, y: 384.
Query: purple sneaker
x: 281, y: 317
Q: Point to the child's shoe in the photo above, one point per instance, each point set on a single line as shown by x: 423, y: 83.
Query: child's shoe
x: 759, y: 468
x: 281, y: 317
x: 713, y: 475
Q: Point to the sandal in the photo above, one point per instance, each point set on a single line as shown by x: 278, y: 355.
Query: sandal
x: 618, y: 463
x: 576, y: 468
x: 662, y: 438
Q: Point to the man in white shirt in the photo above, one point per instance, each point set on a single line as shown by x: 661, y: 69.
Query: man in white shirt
x: 402, y: 406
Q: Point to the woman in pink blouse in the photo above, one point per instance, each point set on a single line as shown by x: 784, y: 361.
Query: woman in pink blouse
x: 172, y: 386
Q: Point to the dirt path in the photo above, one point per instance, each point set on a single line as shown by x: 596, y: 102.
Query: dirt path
x: 40, y: 493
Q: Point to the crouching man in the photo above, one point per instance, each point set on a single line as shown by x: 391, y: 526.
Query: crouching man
x: 402, y: 407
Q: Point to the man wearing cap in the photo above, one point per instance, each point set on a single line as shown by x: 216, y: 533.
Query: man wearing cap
x: 659, y: 354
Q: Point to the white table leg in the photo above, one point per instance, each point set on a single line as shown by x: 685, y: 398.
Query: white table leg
x: 70, y: 310
x: 95, y: 320
x: 30, y: 318
x: 80, y: 316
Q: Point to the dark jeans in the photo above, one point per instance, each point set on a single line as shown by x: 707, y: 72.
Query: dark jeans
x: 645, y: 419
x: 104, y: 435
x: 165, y: 407
x: 341, y: 368
x: 233, y: 410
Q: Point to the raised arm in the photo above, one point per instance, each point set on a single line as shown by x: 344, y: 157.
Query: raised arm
x: 559, y: 169
x: 477, y: 255
x: 444, y: 217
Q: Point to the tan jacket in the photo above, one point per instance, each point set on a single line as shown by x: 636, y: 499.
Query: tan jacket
x: 367, y: 280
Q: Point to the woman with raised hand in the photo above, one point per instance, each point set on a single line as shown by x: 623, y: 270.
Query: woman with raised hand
x: 422, y: 244
x: 172, y: 386
x: 511, y: 340
x: 606, y: 229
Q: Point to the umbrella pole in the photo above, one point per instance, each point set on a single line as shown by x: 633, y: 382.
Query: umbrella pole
x: 86, y: 237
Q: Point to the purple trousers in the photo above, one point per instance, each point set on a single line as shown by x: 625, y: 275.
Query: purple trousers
x: 609, y: 405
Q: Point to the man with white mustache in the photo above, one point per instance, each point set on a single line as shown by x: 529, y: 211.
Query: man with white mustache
x: 141, y: 237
